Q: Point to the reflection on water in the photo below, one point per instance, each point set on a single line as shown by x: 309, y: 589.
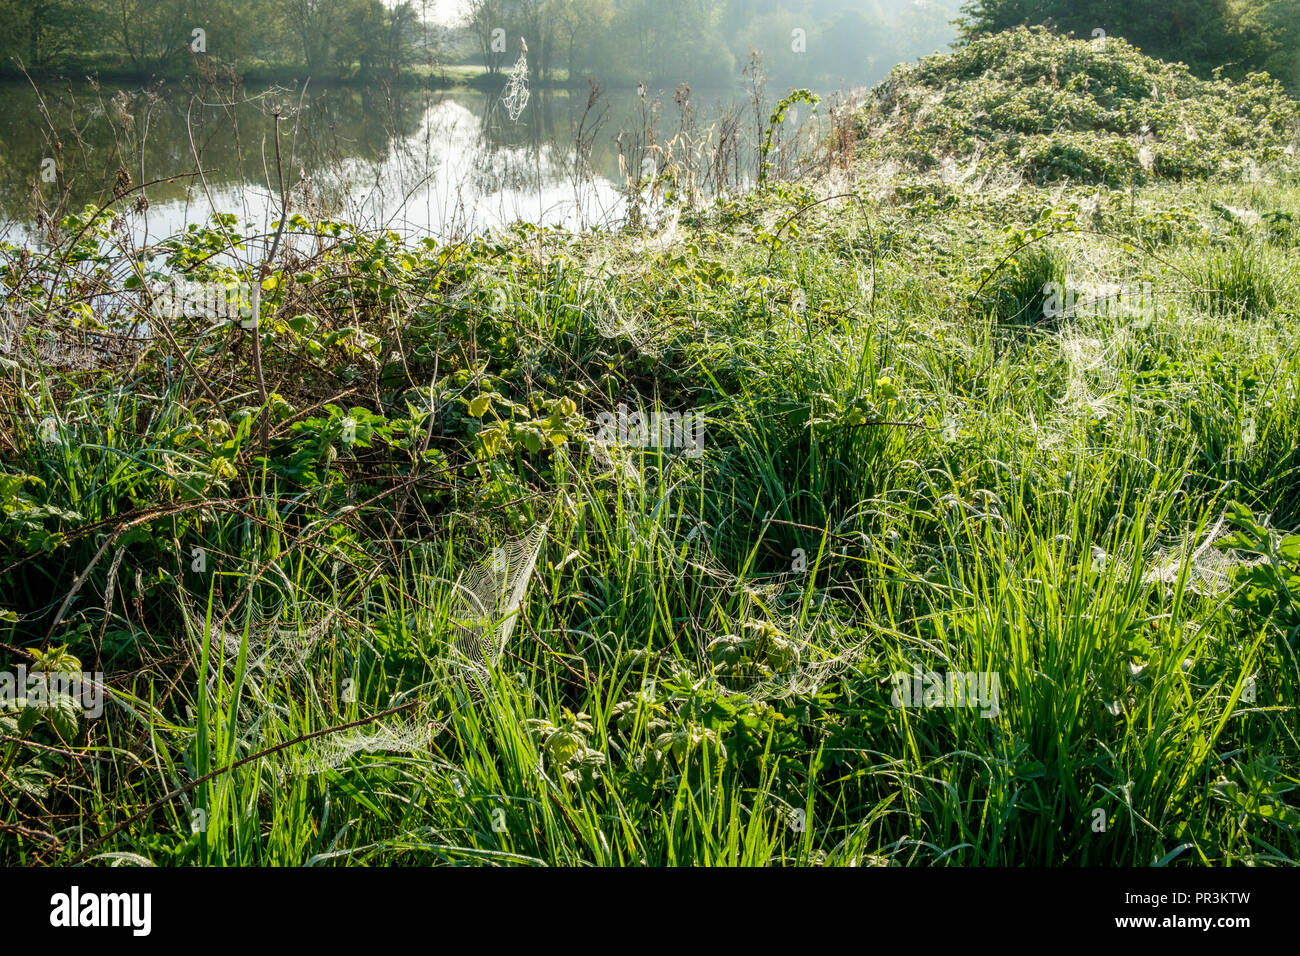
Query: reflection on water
x: 445, y: 179
x: 421, y: 162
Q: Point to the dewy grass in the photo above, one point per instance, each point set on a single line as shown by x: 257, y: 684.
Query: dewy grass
x: 906, y: 466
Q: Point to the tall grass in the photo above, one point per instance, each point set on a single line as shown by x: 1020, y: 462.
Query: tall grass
x: 898, y: 476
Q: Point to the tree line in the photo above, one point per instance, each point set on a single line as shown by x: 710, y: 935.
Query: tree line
x: 324, y: 37
x: 805, y: 42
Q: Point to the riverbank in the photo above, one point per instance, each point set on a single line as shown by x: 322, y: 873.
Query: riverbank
x: 448, y: 77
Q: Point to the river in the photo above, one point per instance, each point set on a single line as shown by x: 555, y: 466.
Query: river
x: 448, y: 163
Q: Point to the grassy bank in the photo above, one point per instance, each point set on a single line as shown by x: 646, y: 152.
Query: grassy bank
x: 412, y: 609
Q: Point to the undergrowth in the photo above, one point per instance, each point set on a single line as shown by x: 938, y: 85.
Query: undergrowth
x: 907, y: 466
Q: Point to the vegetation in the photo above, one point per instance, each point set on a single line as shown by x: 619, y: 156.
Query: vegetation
x: 263, y: 537
x: 1026, y: 102
x: 1239, y: 36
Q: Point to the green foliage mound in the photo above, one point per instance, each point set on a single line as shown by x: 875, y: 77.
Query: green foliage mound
x: 1053, y: 108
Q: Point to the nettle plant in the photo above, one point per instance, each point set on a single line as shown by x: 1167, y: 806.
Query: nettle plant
x: 514, y: 426
x: 25, y: 519
x: 51, y: 712
x: 1267, y: 589
x: 566, y: 747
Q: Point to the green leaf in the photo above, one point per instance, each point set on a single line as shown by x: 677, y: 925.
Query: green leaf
x: 64, y: 714
x: 30, y: 779
x: 28, y: 717
x: 532, y: 441
x: 1176, y: 851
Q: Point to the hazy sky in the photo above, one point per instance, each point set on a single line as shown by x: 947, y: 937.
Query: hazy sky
x: 442, y: 11
x: 450, y: 11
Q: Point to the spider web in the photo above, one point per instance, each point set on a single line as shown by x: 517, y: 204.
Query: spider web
x: 272, y: 650
x: 487, y: 598
x: 515, y: 97
x: 612, y: 323
x: 334, y: 751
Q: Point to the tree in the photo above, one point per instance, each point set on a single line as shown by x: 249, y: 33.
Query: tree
x: 485, y: 18
x: 381, y: 37
x: 50, y: 28
x: 529, y: 20
x: 316, y: 22
x: 575, y: 18
x: 1271, y: 34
